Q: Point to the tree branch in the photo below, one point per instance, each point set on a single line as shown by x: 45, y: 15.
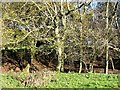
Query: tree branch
x: 117, y: 49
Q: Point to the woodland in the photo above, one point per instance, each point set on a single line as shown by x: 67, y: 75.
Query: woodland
x: 60, y: 44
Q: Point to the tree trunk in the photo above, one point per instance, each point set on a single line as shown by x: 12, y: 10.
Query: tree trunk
x: 59, y: 59
x: 80, y: 69
x: 94, y: 57
x: 60, y: 42
x: 81, y: 39
x: 107, y: 61
x: 59, y: 50
x: 107, y: 38
x: 63, y: 38
x: 112, y: 63
x: 81, y: 48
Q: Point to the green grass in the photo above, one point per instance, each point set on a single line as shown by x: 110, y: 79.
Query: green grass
x: 7, y: 81
x: 86, y: 80
x: 69, y: 80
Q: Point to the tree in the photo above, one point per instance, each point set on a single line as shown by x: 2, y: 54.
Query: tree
x: 69, y: 28
x: 107, y: 47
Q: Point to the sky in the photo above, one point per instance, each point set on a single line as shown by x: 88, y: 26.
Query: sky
x: 93, y: 4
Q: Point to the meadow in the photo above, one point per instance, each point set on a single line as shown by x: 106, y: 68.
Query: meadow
x: 67, y: 80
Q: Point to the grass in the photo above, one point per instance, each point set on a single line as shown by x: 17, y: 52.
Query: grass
x: 69, y: 80
x: 7, y: 81
x: 85, y: 80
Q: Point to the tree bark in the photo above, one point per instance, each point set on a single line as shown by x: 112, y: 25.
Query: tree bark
x: 81, y: 45
x: 60, y: 42
x: 113, y: 67
x: 59, y: 50
x: 107, y: 61
x: 107, y: 39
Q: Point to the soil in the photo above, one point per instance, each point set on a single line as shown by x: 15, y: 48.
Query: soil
x: 35, y: 66
x: 38, y: 66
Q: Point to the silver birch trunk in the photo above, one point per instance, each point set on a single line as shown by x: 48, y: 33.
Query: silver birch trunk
x: 107, y: 42
x: 81, y: 46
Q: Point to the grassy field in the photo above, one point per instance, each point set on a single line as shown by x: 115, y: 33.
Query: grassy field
x: 88, y: 80
x: 70, y: 80
x: 7, y: 81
